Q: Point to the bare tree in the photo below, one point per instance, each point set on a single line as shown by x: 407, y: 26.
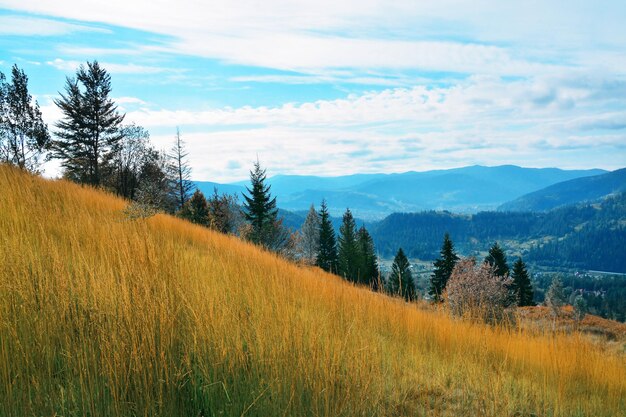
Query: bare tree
x: 476, y: 291
x: 310, y: 237
x: 180, y: 172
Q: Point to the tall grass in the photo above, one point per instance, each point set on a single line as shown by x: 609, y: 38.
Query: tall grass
x: 102, y: 316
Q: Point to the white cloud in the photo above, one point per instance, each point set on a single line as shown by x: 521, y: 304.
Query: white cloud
x: 491, y: 37
x: 482, y: 120
x: 114, y: 68
x: 35, y: 26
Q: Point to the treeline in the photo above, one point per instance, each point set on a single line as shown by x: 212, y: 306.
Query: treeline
x: 592, y: 236
x: 605, y: 296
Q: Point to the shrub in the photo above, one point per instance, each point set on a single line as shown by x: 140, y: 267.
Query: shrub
x: 475, y: 291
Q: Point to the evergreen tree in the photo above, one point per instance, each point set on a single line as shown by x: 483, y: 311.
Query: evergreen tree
x: 260, y: 209
x: 310, y: 240
x: 522, y: 287
x: 400, y: 279
x: 180, y: 171
x: 24, y: 136
x: 348, y: 251
x: 327, y: 249
x: 497, y: 260
x: 89, y: 132
x: 443, y: 268
x: 368, y: 264
x: 196, y: 209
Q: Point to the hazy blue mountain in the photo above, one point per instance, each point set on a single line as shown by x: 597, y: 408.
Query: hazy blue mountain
x: 373, y: 196
x: 570, y: 192
x: 207, y: 188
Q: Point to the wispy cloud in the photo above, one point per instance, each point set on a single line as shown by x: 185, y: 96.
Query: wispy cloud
x: 114, y: 68
x: 36, y: 26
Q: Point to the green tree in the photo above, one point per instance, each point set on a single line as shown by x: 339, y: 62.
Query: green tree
x: 196, y: 209
x: 327, y: 249
x: 24, y: 136
x: 522, y: 287
x: 443, y: 268
x: 260, y: 209
x: 89, y: 132
x: 348, y: 251
x: 497, y: 260
x: 368, y: 263
x: 180, y: 172
x: 400, y: 279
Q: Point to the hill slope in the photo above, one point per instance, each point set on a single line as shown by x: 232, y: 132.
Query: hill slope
x: 570, y: 192
x: 101, y: 315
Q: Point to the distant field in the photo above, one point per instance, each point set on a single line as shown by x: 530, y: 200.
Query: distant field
x: 104, y: 316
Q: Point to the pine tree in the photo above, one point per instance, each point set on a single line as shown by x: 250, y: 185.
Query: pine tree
x: 310, y: 240
x: 348, y: 253
x: 443, y: 268
x: 196, y: 209
x: 89, y: 132
x: 400, y: 279
x: 368, y: 272
x: 327, y: 250
x: 260, y: 208
x: 522, y: 287
x: 180, y: 171
x: 497, y: 259
x: 24, y: 136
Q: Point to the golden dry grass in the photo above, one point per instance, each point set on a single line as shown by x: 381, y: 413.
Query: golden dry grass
x: 102, y: 316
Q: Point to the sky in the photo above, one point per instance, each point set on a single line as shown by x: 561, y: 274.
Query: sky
x: 331, y: 87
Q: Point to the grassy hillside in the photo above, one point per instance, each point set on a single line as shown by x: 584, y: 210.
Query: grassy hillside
x: 103, y: 316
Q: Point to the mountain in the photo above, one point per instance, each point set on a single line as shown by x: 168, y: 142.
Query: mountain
x: 105, y: 315
x: 373, y: 196
x: 586, y: 236
x: 568, y: 192
x: 208, y: 187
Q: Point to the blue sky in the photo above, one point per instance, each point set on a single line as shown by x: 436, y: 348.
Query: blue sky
x: 340, y: 87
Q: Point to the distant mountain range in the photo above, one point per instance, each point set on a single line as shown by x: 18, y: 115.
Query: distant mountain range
x: 373, y: 196
x: 577, y: 190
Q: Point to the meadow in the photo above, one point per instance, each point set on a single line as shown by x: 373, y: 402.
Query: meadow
x: 101, y: 315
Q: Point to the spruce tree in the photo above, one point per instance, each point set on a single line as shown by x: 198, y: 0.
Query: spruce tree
x: 260, y: 208
x: 89, y: 133
x: 327, y: 249
x: 443, y: 268
x: 522, y: 286
x: 196, y: 209
x: 400, y: 279
x: 497, y: 260
x: 310, y: 236
x: 180, y: 172
x: 348, y: 251
x: 368, y: 264
x: 24, y: 136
